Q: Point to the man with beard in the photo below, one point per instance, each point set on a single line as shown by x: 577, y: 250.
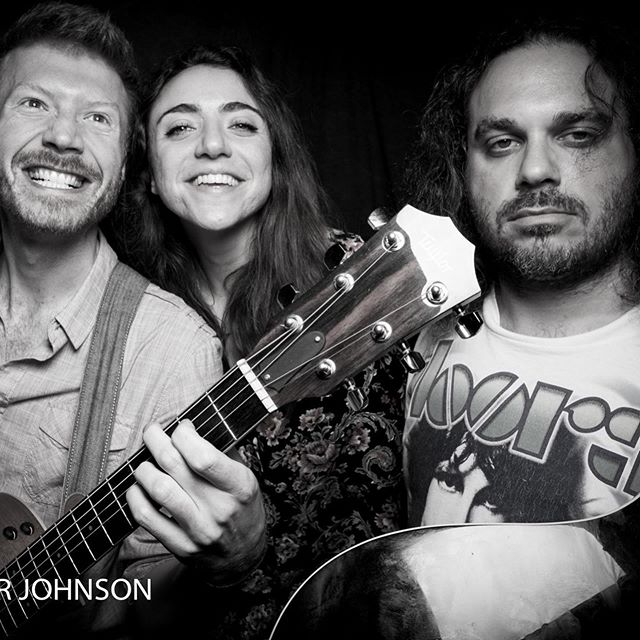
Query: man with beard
x: 67, y: 113
x: 531, y: 145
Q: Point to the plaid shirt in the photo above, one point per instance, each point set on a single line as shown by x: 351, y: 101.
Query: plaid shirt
x: 171, y: 358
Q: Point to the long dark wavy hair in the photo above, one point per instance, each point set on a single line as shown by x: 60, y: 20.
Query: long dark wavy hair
x: 292, y: 230
x: 435, y: 176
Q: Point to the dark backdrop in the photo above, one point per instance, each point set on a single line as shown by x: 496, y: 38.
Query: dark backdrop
x: 357, y: 78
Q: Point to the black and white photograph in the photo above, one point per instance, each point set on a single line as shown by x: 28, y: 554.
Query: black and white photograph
x: 319, y: 321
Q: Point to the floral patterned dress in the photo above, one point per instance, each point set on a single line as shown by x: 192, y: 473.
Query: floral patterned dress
x: 330, y: 477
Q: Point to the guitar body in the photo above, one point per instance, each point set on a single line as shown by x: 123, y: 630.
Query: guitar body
x: 19, y: 528
x: 468, y: 582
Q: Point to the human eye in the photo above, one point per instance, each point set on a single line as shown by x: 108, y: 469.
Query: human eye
x: 501, y: 145
x: 580, y: 138
x: 243, y: 126
x: 178, y: 129
x: 448, y: 479
x: 99, y: 119
x: 33, y: 104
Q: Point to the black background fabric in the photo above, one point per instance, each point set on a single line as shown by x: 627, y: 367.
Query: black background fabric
x: 356, y: 75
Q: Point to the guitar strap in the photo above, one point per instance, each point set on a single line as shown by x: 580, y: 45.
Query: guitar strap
x: 87, y: 462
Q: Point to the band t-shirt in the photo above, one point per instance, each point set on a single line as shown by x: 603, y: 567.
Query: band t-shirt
x: 515, y: 428
x: 504, y: 428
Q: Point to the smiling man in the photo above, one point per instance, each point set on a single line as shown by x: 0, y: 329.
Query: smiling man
x: 68, y: 99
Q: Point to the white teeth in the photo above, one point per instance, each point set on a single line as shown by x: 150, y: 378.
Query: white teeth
x: 216, y: 178
x: 55, y: 179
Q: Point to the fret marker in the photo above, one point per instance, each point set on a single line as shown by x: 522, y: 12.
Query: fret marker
x: 100, y: 523
x: 60, y: 555
x: 256, y: 385
x: 86, y: 544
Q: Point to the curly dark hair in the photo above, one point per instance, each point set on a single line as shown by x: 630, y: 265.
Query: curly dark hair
x: 435, y: 176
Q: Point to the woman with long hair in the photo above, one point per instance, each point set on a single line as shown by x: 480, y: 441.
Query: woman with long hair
x: 227, y: 211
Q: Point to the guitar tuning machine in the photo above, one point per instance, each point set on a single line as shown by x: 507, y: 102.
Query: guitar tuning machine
x: 378, y: 218
x: 437, y: 293
x: 286, y: 295
x: 334, y: 256
x: 356, y: 398
x: 412, y: 361
x: 468, y: 323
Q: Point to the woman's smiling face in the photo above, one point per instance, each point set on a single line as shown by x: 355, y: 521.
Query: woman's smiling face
x: 209, y: 149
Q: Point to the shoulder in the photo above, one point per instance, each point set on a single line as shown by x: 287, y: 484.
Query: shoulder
x: 171, y: 358
x: 165, y: 321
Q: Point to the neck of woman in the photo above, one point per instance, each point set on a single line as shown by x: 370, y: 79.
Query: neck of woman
x: 221, y: 253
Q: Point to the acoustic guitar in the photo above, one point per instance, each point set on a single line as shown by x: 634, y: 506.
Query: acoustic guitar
x: 414, y: 269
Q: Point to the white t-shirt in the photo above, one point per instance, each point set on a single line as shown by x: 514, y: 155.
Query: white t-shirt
x: 508, y: 427
x: 504, y: 428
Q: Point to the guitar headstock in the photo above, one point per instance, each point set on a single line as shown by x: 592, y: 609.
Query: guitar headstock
x: 415, y: 269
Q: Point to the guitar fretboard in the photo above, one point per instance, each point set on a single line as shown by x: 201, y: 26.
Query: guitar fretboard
x: 222, y: 415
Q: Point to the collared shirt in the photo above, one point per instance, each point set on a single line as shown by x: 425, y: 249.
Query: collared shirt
x: 172, y: 357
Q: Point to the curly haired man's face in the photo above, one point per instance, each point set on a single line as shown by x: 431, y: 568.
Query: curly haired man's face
x: 550, y: 173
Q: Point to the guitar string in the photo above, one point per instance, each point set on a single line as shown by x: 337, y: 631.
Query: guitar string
x: 40, y: 559
x: 39, y: 562
x: 356, y: 337
x: 270, y: 347
x: 288, y: 334
x: 42, y: 562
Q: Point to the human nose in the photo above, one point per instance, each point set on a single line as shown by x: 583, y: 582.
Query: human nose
x: 212, y: 142
x: 63, y: 134
x: 538, y: 165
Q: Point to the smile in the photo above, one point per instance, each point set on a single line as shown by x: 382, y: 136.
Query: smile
x: 218, y: 179
x: 52, y: 179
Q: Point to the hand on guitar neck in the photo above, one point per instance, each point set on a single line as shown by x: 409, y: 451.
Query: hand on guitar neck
x: 414, y: 270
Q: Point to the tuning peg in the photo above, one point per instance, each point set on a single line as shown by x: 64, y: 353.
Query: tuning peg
x: 378, y: 218
x: 468, y: 323
x: 286, y: 295
x: 356, y: 399
x: 412, y: 361
x: 334, y: 255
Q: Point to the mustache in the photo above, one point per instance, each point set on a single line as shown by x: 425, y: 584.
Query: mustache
x: 52, y: 160
x: 552, y: 198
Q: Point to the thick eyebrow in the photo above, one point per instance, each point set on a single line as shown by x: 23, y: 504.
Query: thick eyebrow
x: 183, y: 107
x: 566, y: 118
x: 492, y: 124
x: 561, y: 119
x: 239, y: 106
x: 227, y: 107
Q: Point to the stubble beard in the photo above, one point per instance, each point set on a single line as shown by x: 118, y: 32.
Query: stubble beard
x: 51, y: 213
x: 545, y: 263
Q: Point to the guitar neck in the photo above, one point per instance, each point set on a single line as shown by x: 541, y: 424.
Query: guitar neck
x: 222, y: 415
x: 414, y: 270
